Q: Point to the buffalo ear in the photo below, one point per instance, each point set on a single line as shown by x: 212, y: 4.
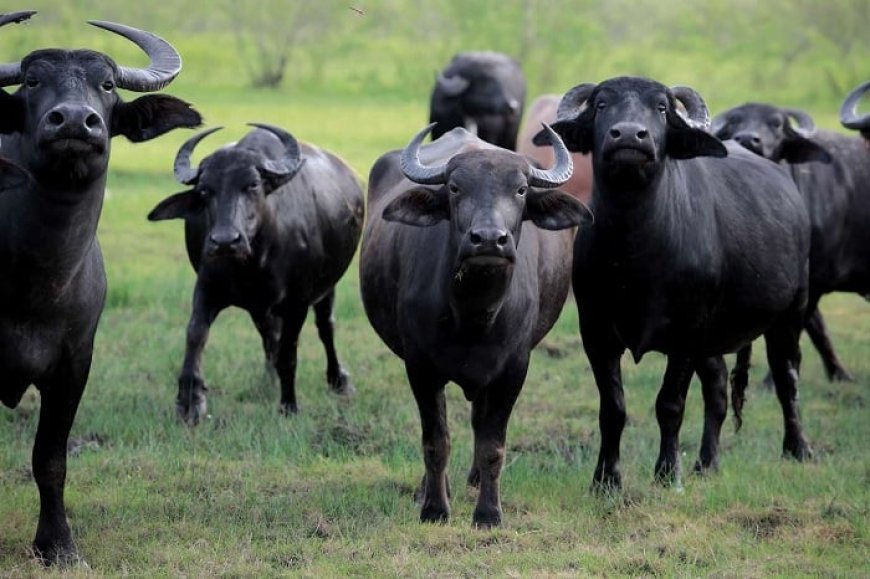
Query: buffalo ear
x: 575, y: 133
x: 176, y: 206
x: 152, y: 115
x: 11, y: 113
x: 13, y: 176
x: 799, y: 149
x: 688, y: 143
x: 420, y: 206
x: 554, y: 210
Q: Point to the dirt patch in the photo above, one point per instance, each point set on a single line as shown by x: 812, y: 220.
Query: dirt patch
x: 767, y: 524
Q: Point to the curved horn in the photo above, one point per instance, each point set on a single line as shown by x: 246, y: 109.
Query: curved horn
x: 452, y: 85
x: 849, y: 111
x: 562, y: 168
x: 292, y: 161
x: 165, y: 60
x: 805, y: 125
x: 697, y: 114
x: 10, y: 73
x: 574, y: 101
x: 184, y: 173
x: 414, y: 170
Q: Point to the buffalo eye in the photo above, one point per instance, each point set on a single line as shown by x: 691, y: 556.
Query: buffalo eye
x: 601, y: 105
x: 522, y: 190
x: 663, y: 108
x: 453, y: 188
x: 31, y: 82
x: 775, y: 123
x: 108, y: 86
x: 205, y: 192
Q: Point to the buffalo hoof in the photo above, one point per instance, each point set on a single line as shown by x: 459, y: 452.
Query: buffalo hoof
x: 669, y: 477
x: 434, y: 514
x: 341, y: 385
x: 288, y: 408
x: 797, y: 448
x: 703, y: 468
x: 486, y: 518
x: 606, y: 482
x: 840, y: 374
x: 62, y: 553
x: 191, y: 405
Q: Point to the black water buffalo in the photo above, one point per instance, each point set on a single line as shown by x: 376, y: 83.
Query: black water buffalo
x: 832, y: 172
x: 697, y: 248
x: 56, y: 133
x: 849, y: 112
x: 464, y: 267
x: 270, y: 226
x: 483, y: 92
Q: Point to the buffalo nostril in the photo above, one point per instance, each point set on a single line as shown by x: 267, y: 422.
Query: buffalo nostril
x: 614, y: 133
x: 642, y: 134
x: 756, y: 140
x: 92, y: 121
x: 55, y: 118
x: 476, y: 239
x: 502, y: 240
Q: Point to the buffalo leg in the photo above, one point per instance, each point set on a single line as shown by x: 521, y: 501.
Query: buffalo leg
x: 60, y: 400
x: 294, y: 317
x: 336, y: 376
x: 490, y: 413
x: 713, y: 375
x: 611, y: 416
x: 818, y: 333
x: 191, y: 405
x: 429, y: 394
x: 670, y: 405
x: 783, y: 356
x: 269, y: 327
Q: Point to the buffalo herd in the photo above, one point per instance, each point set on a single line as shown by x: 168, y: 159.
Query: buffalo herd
x: 680, y: 234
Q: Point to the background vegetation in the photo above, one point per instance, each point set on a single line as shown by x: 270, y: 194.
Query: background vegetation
x: 330, y: 492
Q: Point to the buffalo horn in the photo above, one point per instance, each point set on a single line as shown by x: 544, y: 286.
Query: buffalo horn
x: 849, y: 111
x: 806, y: 126
x: 562, y: 168
x: 452, y: 85
x: 291, y: 162
x: 10, y: 73
x: 414, y: 170
x: 165, y: 60
x: 574, y: 101
x: 184, y: 173
x: 697, y: 114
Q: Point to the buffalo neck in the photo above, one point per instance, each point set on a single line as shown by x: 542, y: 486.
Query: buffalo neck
x: 477, y: 294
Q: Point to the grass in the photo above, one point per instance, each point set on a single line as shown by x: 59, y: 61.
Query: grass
x: 329, y: 492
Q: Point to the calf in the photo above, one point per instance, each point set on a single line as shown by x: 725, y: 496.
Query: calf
x: 57, y: 129
x: 270, y: 226
x: 464, y: 267
x: 697, y: 248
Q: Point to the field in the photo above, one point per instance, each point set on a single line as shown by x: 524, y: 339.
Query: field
x: 330, y: 492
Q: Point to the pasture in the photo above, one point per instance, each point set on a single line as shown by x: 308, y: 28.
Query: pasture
x: 330, y: 492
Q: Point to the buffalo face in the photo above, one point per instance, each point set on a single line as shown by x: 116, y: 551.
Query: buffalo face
x: 631, y: 125
x: 231, y: 187
x: 769, y: 131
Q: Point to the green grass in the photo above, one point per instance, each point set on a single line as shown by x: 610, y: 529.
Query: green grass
x: 329, y: 492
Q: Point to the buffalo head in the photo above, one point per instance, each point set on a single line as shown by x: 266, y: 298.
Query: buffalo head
x: 778, y: 134
x: 632, y: 125
x: 485, y: 195
x: 231, y: 186
x: 67, y: 108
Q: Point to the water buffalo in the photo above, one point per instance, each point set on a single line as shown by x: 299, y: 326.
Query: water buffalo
x: 270, y: 226
x: 464, y: 267
x: 697, y: 249
x: 543, y: 110
x: 483, y: 92
x: 57, y: 129
x: 832, y: 172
